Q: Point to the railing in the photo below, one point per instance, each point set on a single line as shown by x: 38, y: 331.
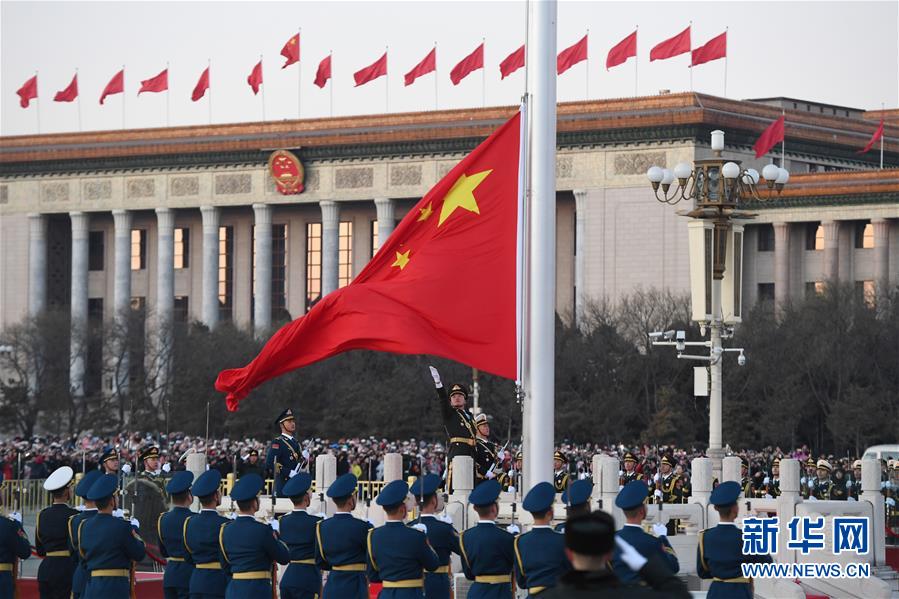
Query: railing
x: 366, y: 489
x: 25, y: 496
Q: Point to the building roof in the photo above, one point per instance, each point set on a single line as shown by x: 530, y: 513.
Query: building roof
x: 835, y: 187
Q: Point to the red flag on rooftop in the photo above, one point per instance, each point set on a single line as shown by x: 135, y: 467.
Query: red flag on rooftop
x: 69, y: 93
x: 673, y: 46
x: 427, y: 65
x: 291, y: 51
x: 201, y: 86
x: 512, y: 63
x: 159, y: 83
x: 406, y: 299
x: 713, y: 49
x: 621, y: 51
x: 376, y: 69
x: 769, y: 138
x: 877, y: 135
x: 27, y: 92
x: 116, y: 85
x: 467, y: 65
x: 571, y: 55
x: 324, y: 72
x: 255, y: 78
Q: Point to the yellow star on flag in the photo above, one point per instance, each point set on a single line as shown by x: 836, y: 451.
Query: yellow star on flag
x: 461, y: 195
x: 425, y: 212
x: 402, y: 259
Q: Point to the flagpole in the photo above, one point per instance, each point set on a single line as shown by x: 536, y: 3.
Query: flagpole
x: 37, y: 101
x: 436, y: 105
x: 123, y: 97
x: 691, y: 56
x: 881, y: 137
x: 783, y: 142
x: 725, y: 61
x: 587, y: 96
x: 331, y: 82
x: 299, y: 75
x: 386, y: 82
x: 636, y: 60
x: 167, y: 93
x: 209, y: 89
x: 263, y: 92
x: 79, y: 102
x: 484, y: 74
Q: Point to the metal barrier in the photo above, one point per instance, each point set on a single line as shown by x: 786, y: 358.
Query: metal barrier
x: 26, y: 496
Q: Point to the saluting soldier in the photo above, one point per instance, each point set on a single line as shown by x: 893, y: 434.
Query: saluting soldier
x: 540, y: 552
x: 576, y: 499
x: 251, y: 464
x: 457, y: 421
x: 630, y: 470
x: 341, y: 543
x: 442, y: 536
x: 201, y: 539
x: 170, y: 528
x: 250, y: 547
x: 14, y: 546
x: 51, y: 536
x: 79, y: 577
x: 302, y: 579
x: 149, y: 458
x: 560, y: 472
x: 284, y: 455
x: 823, y: 485
x: 108, y: 545
x: 398, y: 554
x: 488, y: 552
x: 632, y: 501
x: 720, y: 550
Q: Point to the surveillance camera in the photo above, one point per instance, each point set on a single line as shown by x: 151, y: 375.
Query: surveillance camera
x: 681, y: 343
x: 669, y: 335
x: 741, y: 359
x: 656, y: 335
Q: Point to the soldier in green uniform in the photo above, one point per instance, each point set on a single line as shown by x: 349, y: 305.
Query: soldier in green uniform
x: 458, y: 422
x: 823, y: 488
x: 807, y: 482
x: 854, y: 481
x: 151, y: 472
x: 629, y: 470
x: 771, y: 484
x: 667, y: 490
x: 560, y: 472
x: 890, y: 490
x: 745, y: 479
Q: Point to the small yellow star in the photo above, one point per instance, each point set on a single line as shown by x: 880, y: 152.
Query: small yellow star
x: 425, y: 212
x: 461, y: 195
x: 402, y: 259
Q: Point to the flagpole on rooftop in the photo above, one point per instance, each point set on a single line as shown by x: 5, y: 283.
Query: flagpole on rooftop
x: 483, y: 74
x: 167, y: 93
x: 299, y: 74
x: 386, y: 81
x: 881, y: 137
x: 263, y: 91
x: 331, y: 82
x: 691, y: 56
x: 79, y: 101
x: 587, y: 36
x: 37, y: 102
x: 436, y: 106
x: 209, y: 90
x: 637, y: 29
x: 123, y: 96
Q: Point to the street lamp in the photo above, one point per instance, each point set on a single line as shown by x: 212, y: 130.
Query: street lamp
x: 717, y: 187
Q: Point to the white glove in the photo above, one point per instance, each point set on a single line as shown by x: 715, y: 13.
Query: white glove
x: 512, y: 489
x: 166, y: 467
x: 436, y: 376
x: 851, y: 499
x: 656, y: 477
x: 80, y: 507
x: 490, y: 474
x: 621, y: 473
x: 232, y: 516
x: 305, y: 454
x: 812, y: 482
x: 766, y: 480
x: 802, y: 480
x: 16, y: 516
x: 445, y: 518
x: 660, y: 530
x: 135, y: 523
x: 275, y: 525
x: 118, y: 513
x: 629, y: 555
x: 889, y: 501
x: 620, y: 487
x: 421, y: 527
x: 513, y: 528
x: 768, y: 496
x: 884, y: 484
x: 812, y: 498
x: 658, y: 493
x: 126, y: 468
x: 294, y: 472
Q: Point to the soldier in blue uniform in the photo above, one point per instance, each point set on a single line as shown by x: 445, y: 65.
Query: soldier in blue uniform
x: 399, y: 554
x: 487, y: 551
x: 201, y: 539
x: 632, y: 500
x: 576, y: 499
x: 170, y: 528
x: 442, y: 536
x: 79, y: 577
x: 108, y: 545
x: 249, y: 546
x: 285, y: 457
x: 54, y: 575
x: 341, y: 544
x: 302, y: 579
x: 540, y: 552
x: 720, y: 550
x: 14, y: 546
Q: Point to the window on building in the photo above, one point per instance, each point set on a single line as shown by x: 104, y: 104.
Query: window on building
x: 279, y: 273
x: 814, y: 236
x: 95, y: 252
x: 765, y: 238
x: 375, y: 245
x: 766, y: 292
x: 345, y: 254
x: 138, y: 249
x: 864, y: 236
x: 181, y: 311
x: 814, y: 289
x: 313, y: 263
x: 226, y: 273
x: 182, y: 248
x: 865, y: 292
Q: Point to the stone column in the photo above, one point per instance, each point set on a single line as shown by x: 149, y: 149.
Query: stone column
x: 786, y: 506
x: 386, y: 219
x: 165, y: 298
x: 580, y: 232
x: 831, y: 250
x: 881, y: 254
x: 80, y: 221
x: 871, y: 492
x: 781, y: 262
x: 121, y: 299
x: 393, y: 467
x: 609, y: 485
x: 262, y: 297
x: 330, y: 245
x: 210, y: 297
x: 701, y: 481
x: 37, y: 263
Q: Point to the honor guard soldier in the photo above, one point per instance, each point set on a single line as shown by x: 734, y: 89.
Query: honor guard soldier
x: 720, y: 550
x: 745, y: 479
x: 576, y: 499
x: 251, y: 548
x: 284, y: 454
x: 79, y: 577
x: 51, y: 535
x: 170, y: 527
x: 667, y: 490
x: 807, y: 482
x: 632, y: 501
x: 488, y: 551
x: 109, y: 462
x: 341, y: 543
x: 823, y: 489
x: 630, y: 470
x: 442, y: 536
x: 560, y: 472
x: 14, y: 546
x: 854, y: 482
x: 302, y: 579
x: 540, y: 552
x: 398, y: 554
x: 485, y: 451
x: 108, y: 545
x: 201, y: 539
x: 458, y: 422
x: 771, y: 484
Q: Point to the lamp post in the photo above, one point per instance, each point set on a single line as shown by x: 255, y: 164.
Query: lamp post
x: 717, y: 187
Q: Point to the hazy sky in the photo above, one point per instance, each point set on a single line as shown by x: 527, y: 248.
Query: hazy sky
x: 843, y: 53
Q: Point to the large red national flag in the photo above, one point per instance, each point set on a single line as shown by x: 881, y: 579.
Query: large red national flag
x: 427, y: 65
x: 571, y: 55
x: 69, y: 93
x: 769, y: 138
x: 713, y: 49
x: 407, y: 299
x: 201, y: 86
x: 291, y: 51
x: 621, y: 51
x: 467, y: 65
x: 324, y: 72
x: 877, y: 135
x: 116, y: 85
x: 255, y: 78
x: 27, y: 92
x: 376, y: 69
x: 159, y: 83
x: 673, y: 46
x: 512, y: 63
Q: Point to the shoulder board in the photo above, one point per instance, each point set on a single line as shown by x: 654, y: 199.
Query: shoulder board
x: 276, y: 446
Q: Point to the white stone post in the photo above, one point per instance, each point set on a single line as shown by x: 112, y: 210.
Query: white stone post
x: 386, y: 219
x: 871, y: 492
x: 330, y: 245
x: 786, y: 506
x: 195, y: 463
x: 608, y: 484
x: 393, y: 467
x: 731, y: 469
x: 596, y: 493
x: 463, y: 483
x: 37, y: 263
x: 701, y: 481
x: 80, y: 221
x: 325, y: 475
x: 262, y: 297
x: 210, y: 295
